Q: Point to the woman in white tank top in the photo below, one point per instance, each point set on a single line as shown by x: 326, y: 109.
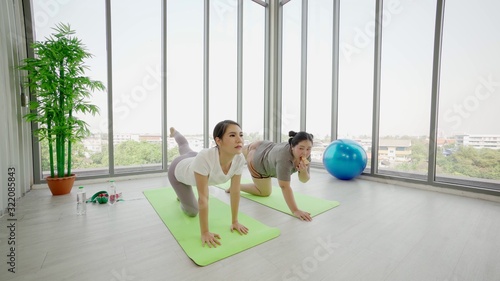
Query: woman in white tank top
x: 211, y: 166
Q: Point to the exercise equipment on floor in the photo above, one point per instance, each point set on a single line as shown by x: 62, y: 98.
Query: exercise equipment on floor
x: 345, y: 159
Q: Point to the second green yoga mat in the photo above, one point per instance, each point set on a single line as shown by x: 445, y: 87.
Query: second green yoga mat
x: 186, y: 230
x: 313, y: 205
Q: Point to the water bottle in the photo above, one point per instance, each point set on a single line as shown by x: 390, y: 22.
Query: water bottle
x: 112, y: 192
x: 81, y: 201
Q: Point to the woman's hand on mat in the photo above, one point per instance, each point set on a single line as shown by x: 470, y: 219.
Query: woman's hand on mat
x: 239, y: 227
x: 305, y: 216
x: 211, y: 239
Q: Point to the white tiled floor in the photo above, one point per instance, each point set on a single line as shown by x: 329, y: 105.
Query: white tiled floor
x: 379, y: 232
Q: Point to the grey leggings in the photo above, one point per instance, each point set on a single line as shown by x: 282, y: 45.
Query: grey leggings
x: 189, y: 204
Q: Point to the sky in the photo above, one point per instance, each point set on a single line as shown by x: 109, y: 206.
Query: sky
x: 470, y: 77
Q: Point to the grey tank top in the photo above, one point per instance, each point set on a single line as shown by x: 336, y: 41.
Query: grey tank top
x: 274, y: 160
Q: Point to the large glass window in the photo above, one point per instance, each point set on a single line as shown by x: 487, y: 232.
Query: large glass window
x: 291, y: 68
x: 136, y: 53
x: 90, y: 155
x: 468, y: 142
x: 185, y: 71
x: 356, y: 47
x: 319, y: 75
x: 405, y: 95
x: 469, y: 134
x: 223, y: 61
x: 253, y: 70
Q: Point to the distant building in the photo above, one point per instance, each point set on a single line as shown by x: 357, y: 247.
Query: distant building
x: 394, y: 150
x: 119, y: 138
x: 150, y: 138
x: 93, y: 143
x: 479, y: 141
x: 440, y: 142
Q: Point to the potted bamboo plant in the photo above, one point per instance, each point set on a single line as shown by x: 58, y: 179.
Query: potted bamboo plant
x: 60, y: 90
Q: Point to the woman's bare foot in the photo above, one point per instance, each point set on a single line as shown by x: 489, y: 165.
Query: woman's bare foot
x: 172, y: 132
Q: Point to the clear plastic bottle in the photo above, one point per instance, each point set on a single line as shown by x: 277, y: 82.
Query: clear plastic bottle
x: 81, y: 201
x: 112, y: 192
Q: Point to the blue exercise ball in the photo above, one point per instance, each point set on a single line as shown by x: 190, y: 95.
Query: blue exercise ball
x: 345, y: 159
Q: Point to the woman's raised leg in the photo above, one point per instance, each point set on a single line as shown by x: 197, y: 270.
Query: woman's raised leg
x: 181, y: 141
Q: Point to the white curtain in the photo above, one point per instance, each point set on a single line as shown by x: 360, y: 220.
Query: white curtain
x: 16, y: 172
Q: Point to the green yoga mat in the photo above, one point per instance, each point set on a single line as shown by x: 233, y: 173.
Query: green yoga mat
x: 186, y: 230
x: 313, y: 205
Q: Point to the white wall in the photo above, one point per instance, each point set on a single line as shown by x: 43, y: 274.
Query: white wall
x: 15, y: 139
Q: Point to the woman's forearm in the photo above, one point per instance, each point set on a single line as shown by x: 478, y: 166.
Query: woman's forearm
x: 203, y: 208
x: 235, y: 202
x: 289, y: 198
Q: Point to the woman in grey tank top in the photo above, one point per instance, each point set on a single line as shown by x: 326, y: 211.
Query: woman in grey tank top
x: 266, y: 160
